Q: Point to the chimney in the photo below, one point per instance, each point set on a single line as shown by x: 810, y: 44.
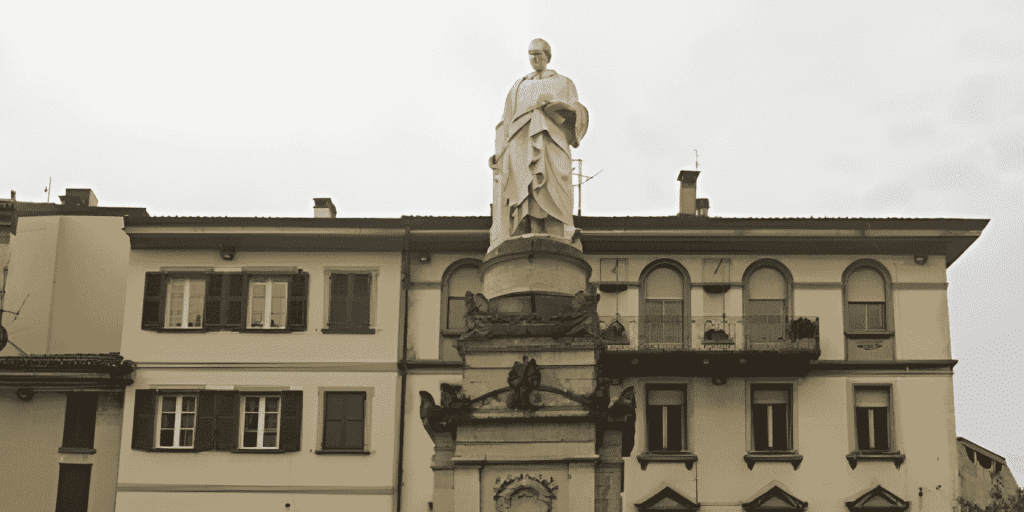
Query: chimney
x: 688, y: 192
x: 323, y: 208
x: 702, y: 207
x: 78, y: 197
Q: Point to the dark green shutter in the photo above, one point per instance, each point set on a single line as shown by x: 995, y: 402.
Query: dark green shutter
x: 339, y: 301
x: 214, y: 302
x: 298, y: 297
x: 153, y: 301
x: 73, y: 487
x: 291, y: 421
x: 354, y: 420
x: 205, y: 424
x: 80, y: 420
x: 359, y: 308
x: 226, y: 437
x: 144, y: 423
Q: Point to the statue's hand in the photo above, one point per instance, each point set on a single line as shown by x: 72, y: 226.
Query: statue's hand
x: 552, y: 110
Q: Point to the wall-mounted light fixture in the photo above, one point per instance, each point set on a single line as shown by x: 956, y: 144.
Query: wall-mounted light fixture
x: 227, y: 253
x: 25, y: 394
x: 920, y: 259
x: 424, y: 257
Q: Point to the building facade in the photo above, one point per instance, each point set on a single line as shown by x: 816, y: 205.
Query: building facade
x: 982, y: 473
x: 774, y: 364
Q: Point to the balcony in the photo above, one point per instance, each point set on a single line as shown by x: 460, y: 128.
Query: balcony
x: 711, y: 346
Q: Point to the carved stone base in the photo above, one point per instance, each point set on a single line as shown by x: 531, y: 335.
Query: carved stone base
x: 534, y: 264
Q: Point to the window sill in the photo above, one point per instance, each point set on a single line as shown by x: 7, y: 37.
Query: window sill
x: 275, y: 330
x: 179, y: 329
x: 258, y: 450
x: 348, y: 330
x: 792, y: 457
x: 895, y: 457
x: 86, y: 451
x: 646, y: 458
x: 174, y: 450
x: 870, y: 334
x: 342, y: 452
x: 452, y: 333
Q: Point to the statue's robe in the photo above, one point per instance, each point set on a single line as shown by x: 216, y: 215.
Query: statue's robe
x: 533, y: 156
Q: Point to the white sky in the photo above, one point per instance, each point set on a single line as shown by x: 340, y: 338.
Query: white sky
x: 797, y: 109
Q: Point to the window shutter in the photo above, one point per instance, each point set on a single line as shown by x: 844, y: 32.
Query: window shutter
x: 144, y: 423
x: 354, y: 420
x: 152, y: 301
x: 80, y: 420
x: 206, y: 411
x: 214, y: 320
x: 226, y: 437
x: 759, y: 424
x: 291, y: 421
x: 780, y: 427
x: 360, y: 300
x: 298, y: 297
x: 339, y: 300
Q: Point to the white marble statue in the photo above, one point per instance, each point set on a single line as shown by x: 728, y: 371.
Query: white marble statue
x: 532, y: 159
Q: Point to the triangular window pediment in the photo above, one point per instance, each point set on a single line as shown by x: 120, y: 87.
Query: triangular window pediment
x: 877, y: 499
x: 775, y: 499
x: 667, y: 499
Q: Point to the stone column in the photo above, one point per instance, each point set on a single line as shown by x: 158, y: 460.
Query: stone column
x: 444, y: 473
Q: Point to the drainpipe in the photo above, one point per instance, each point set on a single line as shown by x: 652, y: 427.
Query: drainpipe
x: 403, y: 315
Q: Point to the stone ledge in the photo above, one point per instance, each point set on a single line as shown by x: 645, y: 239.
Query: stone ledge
x: 896, y: 458
x: 754, y: 458
x: 523, y: 459
x: 646, y: 458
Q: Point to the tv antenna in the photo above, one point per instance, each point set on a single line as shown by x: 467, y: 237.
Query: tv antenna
x: 696, y: 162
x: 49, y: 185
x: 580, y: 180
x: 4, y: 338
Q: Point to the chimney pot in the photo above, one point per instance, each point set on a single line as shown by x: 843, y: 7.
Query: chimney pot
x: 78, y: 197
x: 688, y: 192
x: 323, y: 208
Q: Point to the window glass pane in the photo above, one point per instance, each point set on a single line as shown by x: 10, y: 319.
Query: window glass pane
x: 272, y: 402
x: 176, y: 302
x: 865, y: 285
x: 664, y: 283
x: 167, y: 437
x: 457, y: 313
x: 188, y: 420
x: 770, y: 396
x: 780, y: 427
x: 465, y: 279
x: 249, y: 439
x: 270, y: 422
x: 875, y: 316
x: 167, y: 420
x: 252, y: 404
x: 196, y: 296
x: 858, y: 315
x: 654, y: 428
x: 185, y: 438
x: 881, y: 427
x: 675, y: 428
x: 767, y: 283
x: 863, y: 439
x: 270, y: 440
x: 188, y: 403
x: 759, y: 424
x: 252, y: 420
x: 169, y: 403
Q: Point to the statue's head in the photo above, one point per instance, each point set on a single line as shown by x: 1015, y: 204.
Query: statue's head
x: 540, y: 54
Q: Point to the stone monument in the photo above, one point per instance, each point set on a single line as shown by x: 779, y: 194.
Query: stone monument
x: 532, y: 425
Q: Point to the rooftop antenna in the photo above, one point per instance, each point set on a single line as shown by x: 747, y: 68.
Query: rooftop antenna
x: 4, y: 338
x: 49, y: 185
x: 696, y: 163
x: 579, y: 183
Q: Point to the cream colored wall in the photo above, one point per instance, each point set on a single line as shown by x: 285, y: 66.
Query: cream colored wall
x: 33, y: 430
x: 249, y: 502
x: 418, y: 480
x: 303, y: 346
x: 31, y: 275
x: 718, y: 435
x: 88, y: 302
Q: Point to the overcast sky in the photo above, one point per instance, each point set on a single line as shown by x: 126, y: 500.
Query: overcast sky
x: 797, y: 109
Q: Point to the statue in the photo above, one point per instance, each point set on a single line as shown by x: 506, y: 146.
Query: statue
x: 532, y: 162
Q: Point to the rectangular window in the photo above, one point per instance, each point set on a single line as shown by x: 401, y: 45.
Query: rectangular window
x: 260, y: 415
x: 350, y: 302
x: 80, y: 420
x: 73, y: 487
x: 268, y: 303
x: 185, y: 299
x: 177, y: 426
x: 666, y: 418
x: 871, y: 406
x: 344, y: 420
x: 771, y: 417
x: 867, y: 316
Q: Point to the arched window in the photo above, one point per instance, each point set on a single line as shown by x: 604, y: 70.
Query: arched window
x: 767, y: 304
x: 868, y: 312
x: 663, y: 307
x: 461, y: 277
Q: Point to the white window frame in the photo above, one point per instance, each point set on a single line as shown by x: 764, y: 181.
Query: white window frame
x: 373, y: 272
x: 684, y: 420
x: 177, y: 420
x: 794, y: 410
x: 891, y: 416
x: 261, y: 424
x: 188, y: 281
x: 269, y: 282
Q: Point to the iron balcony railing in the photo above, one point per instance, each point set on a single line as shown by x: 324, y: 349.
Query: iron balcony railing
x: 756, y: 333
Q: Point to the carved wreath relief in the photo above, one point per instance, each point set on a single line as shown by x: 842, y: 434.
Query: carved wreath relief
x: 524, y: 493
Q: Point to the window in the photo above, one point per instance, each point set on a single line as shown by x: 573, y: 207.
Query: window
x: 771, y: 417
x: 666, y: 418
x: 767, y: 303
x: 231, y: 301
x: 865, y: 300
x: 205, y: 420
x: 663, y: 288
x: 260, y: 416
x: 268, y: 302
x: 177, y: 421
x: 351, y: 303
x: 344, y: 421
x: 73, y: 487
x: 185, y: 303
x: 461, y: 277
x: 871, y: 405
x: 80, y: 422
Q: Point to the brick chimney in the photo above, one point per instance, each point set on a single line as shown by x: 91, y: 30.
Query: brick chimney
x: 702, y: 207
x: 688, y: 192
x: 323, y: 208
x: 78, y: 197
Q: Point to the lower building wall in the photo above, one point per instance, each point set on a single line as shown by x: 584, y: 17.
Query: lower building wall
x: 249, y: 502
x: 33, y: 431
